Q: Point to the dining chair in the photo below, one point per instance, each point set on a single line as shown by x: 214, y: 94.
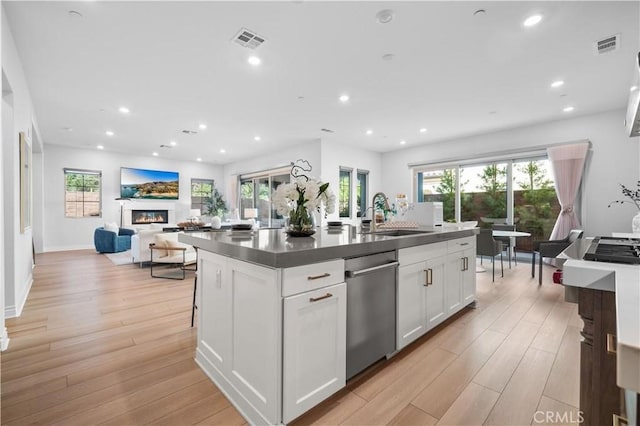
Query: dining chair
x: 507, y: 242
x: 551, y: 248
x: 486, y: 245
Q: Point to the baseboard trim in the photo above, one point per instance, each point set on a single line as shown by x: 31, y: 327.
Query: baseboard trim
x: 68, y: 248
x: 4, y: 340
x: 14, y: 311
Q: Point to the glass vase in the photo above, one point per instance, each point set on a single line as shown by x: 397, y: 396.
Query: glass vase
x: 635, y: 224
x: 300, y: 223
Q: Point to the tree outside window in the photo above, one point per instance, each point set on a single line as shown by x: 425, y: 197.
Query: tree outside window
x: 344, y: 196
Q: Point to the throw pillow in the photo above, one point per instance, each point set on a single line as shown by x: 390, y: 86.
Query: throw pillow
x: 111, y: 226
x: 173, y: 244
x: 160, y: 242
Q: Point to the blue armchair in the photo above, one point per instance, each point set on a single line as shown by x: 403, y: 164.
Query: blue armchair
x: 110, y: 242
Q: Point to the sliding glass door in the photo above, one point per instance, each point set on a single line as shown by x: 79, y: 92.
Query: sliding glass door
x: 519, y: 191
x: 255, y: 193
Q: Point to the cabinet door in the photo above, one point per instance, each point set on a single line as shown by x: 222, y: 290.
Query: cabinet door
x: 411, y: 324
x: 453, y: 287
x: 469, y: 277
x: 255, y: 368
x: 435, y: 292
x: 214, y: 311
x: 314, y: 354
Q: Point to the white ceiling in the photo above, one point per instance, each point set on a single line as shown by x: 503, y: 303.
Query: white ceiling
x: 174, y: 65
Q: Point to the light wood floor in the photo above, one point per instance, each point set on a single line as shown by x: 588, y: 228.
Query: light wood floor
x: 104, y: 344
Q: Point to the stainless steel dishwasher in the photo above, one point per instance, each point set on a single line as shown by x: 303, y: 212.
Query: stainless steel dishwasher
x: 371, y: 309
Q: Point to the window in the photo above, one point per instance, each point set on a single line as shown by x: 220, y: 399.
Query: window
x: 255, y: 193
x: 519, y: 190
x: 344, y: 196
x: 201, y: 193
x: 82, y: 193
x: 361, y: 192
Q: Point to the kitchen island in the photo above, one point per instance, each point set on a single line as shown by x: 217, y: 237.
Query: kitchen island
x: 608, y: 297
x: 272, y: 310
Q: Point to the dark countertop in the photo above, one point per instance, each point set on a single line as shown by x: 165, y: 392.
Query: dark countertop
x: 273, y: 248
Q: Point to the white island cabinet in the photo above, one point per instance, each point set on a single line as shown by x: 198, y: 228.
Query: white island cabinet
x: 245, y: 310
x: 434, y: 282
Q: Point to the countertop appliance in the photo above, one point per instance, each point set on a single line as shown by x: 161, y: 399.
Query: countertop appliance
x: 371, y: 309
x: 425, y: 214
x: 614, y: 249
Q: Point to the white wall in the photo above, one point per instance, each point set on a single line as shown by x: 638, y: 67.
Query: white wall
x: 62, y: 233
x: 18, y: 259
x: 334, y: 155
x: 613, y: 159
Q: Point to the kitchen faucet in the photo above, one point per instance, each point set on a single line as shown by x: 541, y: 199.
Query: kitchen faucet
x: 373, y: 204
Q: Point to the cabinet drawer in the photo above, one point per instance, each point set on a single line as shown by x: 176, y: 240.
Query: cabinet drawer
x: 409, y: 255
x: 310, y: 277
x: 461, y: 244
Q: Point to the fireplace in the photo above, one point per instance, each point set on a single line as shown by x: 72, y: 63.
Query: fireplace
x: 143, y: 217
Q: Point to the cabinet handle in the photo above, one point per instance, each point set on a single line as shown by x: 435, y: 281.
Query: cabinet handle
x: 611, y: 344
x: 619, y: 420
x: 317, y: 277
x: 315, y: 299
x: 463, y: 244
x: 466, y: 263
x: 462, y: 268
x: 218, y: 278
x: 428, y: 277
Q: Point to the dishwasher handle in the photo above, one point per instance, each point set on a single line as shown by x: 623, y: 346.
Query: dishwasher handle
x: 351, y: 274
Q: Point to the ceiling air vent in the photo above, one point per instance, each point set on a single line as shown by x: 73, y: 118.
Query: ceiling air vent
x: 608, y: 44
x: 189, y: 132
x: 248, y: 38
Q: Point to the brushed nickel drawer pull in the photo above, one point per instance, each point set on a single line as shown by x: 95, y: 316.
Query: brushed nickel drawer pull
x: 317, y: 277
x: 619, y: 420
x: 466, y: 263
x: 464, y: 244
x: 428, y: 277
x: 315, y: 299
x: 611, y: 344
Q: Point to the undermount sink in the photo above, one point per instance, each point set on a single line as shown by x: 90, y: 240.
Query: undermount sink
x: 399, y: 232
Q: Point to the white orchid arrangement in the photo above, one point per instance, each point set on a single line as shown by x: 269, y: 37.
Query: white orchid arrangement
x: 302, y: 196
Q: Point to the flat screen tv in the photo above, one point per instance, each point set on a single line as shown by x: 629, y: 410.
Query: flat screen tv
x: 148, y: 184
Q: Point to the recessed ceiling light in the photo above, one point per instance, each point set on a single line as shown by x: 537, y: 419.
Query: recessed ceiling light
x: 479, y: 12
x: 100, y: 147
x: 173, y: 143
x: 254, y: 60
x: 423, y: 130
x: 369, y: 132
x: 202, y: 126
x: 257, y: 138
x: 568, y: 109
x: 155, y: 154
x: 109, y: 133
x: 344, y: 98
x: 557, y: 83
x: 384, y: 16
x: 124, y: 110
x: 222, y: 151
x: 198, y: 159
x: 388, y: 57
x: 403, y: 142
x: 633, y: 88
x: 532, y: 20
x: 68, y: 129
x: 74, y: 14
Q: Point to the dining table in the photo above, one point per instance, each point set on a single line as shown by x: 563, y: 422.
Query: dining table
x: 503, y: 233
